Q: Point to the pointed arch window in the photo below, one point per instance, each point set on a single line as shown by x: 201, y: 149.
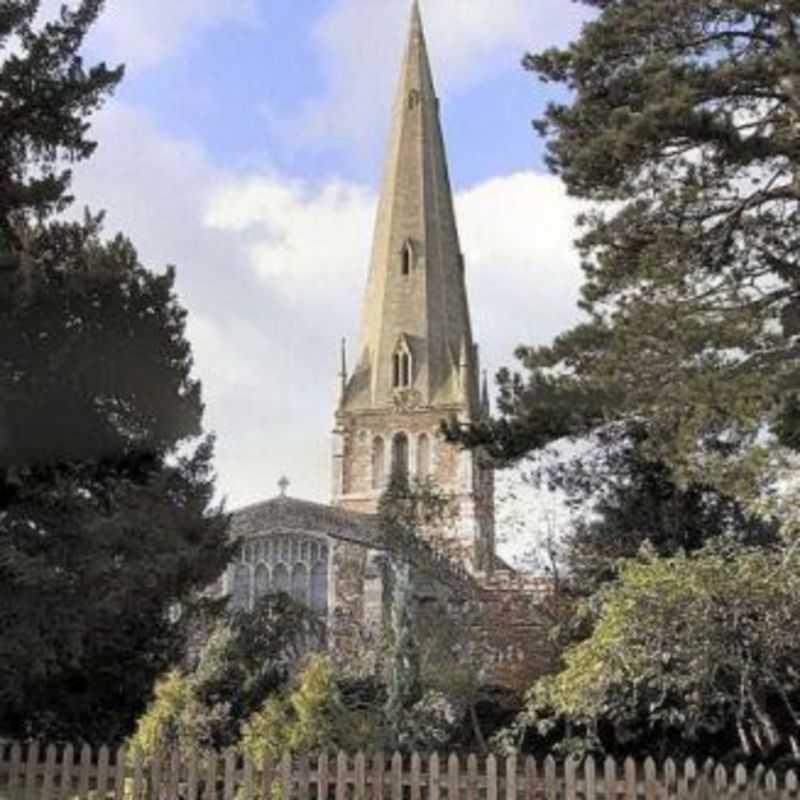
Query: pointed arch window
x: 240, y: 595
x: 281, y: 578
x: 378, y: 462
x: 300, y: 583
x: 319, y: 587
x: 262, y: 581
x: 400, y: 455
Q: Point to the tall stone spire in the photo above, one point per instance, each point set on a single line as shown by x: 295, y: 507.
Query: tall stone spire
x: 417, y: 363
x: 416, y: 302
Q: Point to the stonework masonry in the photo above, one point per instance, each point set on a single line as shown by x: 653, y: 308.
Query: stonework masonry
x: 418, y: 366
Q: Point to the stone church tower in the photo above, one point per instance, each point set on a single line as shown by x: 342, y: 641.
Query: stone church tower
x: 418, y: 364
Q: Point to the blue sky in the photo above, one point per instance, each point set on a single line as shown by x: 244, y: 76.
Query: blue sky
x: 246, y: 147
x: 238, y: 86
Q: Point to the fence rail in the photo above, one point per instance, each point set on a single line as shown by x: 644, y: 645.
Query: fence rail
x: 35, y: 773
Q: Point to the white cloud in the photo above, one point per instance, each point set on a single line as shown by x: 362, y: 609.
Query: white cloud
x: 145, y: 32
x: 142, y: 33
x: 310, y: 247
x: 311, y: 244
x: 522, y: 272
x: 304, y: 238
x: 265, y: 343
x: 265, y: 335
x: 468, y: 40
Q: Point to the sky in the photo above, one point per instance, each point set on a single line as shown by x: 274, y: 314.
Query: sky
x: 245, y: 146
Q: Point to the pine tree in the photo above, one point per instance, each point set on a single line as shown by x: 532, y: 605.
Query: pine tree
x: 46, y: 96
x: 682, y: 129
x: 107, y: 527
x: 682, y: 133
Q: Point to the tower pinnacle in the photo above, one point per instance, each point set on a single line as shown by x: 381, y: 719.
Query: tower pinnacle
x: 343, y: 371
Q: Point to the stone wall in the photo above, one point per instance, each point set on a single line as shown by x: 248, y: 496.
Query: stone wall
x: 347, y: 619
x: 359, y: 480
x: 513, y: 628
x: 505, y: 622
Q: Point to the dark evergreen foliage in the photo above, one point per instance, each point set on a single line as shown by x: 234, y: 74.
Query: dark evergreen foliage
x: 107, y: 529
x: 104, y: 508
x: 682, y: 129
x: 631, y: 499
x: 46, y: 96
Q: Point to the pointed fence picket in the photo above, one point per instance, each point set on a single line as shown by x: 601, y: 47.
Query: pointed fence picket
x: 39, y: 772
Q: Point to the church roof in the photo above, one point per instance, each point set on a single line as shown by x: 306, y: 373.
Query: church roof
x: 416, y: 280
x: 290, y: 514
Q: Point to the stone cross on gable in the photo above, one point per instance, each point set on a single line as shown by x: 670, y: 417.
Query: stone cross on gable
x: 283, y: 485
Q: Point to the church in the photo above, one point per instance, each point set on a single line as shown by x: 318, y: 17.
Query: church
x: 417, y: 365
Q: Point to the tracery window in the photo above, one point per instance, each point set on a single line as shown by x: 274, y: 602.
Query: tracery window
x: 240, y: 593
x: 294, y: 563
x: 300, y: 583
x: 262, y: 581
x: 319, y: 587
x: 281, y: 578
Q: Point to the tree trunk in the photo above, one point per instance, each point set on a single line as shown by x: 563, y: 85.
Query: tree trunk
x: 764, y: 720
x: 476, y: 730
x: 747, y: 748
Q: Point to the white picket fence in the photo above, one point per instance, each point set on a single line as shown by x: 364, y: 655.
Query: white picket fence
x: 33, y: 772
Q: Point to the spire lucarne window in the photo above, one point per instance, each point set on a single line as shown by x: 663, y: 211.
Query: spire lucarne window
x: 407, y: 258
x: 402, y: 366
